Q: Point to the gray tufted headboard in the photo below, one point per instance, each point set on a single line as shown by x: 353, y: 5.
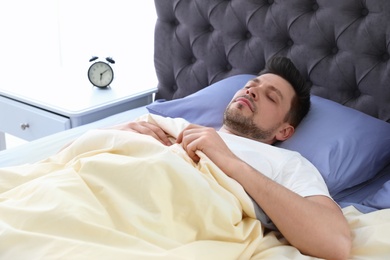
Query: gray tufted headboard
x: 341, y: 46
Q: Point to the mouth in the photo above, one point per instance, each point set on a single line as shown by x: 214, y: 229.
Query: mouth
x: 246, y: 101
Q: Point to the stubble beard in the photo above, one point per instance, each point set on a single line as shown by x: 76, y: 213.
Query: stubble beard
x: 245, y: 125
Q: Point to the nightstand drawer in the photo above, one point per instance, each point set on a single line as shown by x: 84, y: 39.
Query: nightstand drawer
x: 28, y: 122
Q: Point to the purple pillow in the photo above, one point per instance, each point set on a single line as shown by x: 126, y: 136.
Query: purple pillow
x: 348, y: 147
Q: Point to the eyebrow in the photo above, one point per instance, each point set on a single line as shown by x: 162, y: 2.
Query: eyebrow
x: 273, y: 88
x: 277, y: 91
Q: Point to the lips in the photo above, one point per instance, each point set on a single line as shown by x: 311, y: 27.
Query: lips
x: 246, y: 101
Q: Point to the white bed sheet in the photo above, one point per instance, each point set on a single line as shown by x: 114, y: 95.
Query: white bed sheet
x: 42, y: 148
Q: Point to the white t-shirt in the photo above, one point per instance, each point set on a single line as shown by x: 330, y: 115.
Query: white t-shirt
x: 285, y: 167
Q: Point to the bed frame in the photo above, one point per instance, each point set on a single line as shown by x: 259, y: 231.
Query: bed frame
x: 342, y: 47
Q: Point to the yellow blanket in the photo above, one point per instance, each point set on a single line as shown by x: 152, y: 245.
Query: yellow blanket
x: 119, y: 195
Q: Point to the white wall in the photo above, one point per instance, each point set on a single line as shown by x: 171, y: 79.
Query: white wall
x: 43, y: 35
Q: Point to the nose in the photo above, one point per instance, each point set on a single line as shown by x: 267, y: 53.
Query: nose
x: 251, y: 92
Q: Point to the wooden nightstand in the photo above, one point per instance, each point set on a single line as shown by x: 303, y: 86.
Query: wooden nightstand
x: 43, y: 107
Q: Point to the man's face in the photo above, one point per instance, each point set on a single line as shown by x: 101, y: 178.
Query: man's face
x: 258, y: 111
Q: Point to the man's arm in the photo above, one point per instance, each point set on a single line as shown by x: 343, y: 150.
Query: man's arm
x: 315, y: 225
x: 146, y: 128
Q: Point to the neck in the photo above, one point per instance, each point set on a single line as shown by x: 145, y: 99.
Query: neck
x: 228, y: 130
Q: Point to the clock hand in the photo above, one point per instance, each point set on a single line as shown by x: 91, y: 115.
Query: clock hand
x: 101, y: 73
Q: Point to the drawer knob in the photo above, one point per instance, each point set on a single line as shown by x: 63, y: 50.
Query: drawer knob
x: 24, y: 126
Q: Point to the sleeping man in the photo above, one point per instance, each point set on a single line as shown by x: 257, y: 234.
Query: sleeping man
x: 287, y: 188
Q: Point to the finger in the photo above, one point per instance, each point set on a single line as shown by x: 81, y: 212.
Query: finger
x: 190, y: 144
x: 195, y: 158
x: 180, y: 137
x: 192, y: 154
x: 155, y: 132
x: 148, y: 129
x: 190, y: 149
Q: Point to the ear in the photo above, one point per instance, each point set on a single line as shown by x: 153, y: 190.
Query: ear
x: 285, y: 132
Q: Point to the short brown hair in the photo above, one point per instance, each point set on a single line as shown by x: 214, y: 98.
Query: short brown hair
x: 286, y: 69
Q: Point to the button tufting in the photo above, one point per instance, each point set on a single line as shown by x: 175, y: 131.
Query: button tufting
x: 228, y: 67
x: 364, y: 12
x: 193, y: 60
x: 335, y: 50
x: 315, y: 7
x: 211, y: 28
x: 175, y: 22
x: 270, y: 2
x: 248, y: 35
x: 357, y: 93
x: 290, y: 43
x: 385, y: 57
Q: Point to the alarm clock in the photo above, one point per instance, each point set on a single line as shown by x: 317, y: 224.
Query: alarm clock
x: 100, y: 73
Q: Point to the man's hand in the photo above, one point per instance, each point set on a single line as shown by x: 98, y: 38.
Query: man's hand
x: 205, y: 139
x: 146, y: 129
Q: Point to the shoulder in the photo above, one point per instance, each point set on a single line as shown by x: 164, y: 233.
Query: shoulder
x: 267, y: 159
x: 286, y: 167
x: 247, y: 146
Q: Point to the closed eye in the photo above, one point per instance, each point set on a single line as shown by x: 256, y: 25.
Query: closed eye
x: 272, y: 96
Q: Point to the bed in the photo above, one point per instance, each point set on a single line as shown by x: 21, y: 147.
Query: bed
x: 205, y: 50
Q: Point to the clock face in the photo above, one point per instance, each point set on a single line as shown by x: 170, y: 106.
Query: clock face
x: 100, y: 74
